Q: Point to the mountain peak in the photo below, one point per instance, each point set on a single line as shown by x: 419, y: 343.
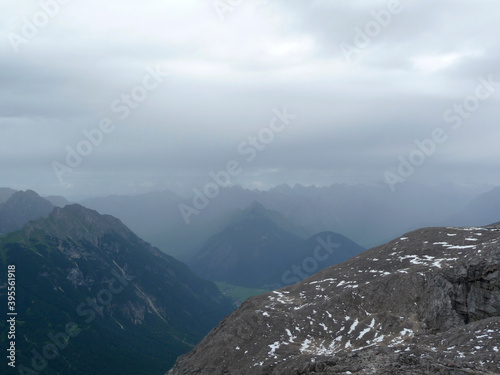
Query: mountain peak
x: 256, y: 206
x: 256, y: 212
x: 260, y: 248
x: 24, y: 195
x: 257, y: 209
x: 79, y: 222
x: 137, y: 308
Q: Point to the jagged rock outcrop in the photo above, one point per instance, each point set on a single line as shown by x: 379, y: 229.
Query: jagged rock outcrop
x: 425, y: 303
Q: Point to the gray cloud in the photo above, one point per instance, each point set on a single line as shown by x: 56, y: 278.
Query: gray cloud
x: 225, y: 78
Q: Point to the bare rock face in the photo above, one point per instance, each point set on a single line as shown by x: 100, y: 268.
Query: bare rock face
x: 426, y: 303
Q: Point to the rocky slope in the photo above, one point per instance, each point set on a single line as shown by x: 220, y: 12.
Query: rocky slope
x: 428, y: 302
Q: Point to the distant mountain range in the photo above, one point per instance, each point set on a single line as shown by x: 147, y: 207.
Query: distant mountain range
x: 425, y: 303
x: 259, y: 249
x: 482, y: 210
x: 368, y: 214
x: 93, y: 298
x: 57, y: 200
x: 156, y: 218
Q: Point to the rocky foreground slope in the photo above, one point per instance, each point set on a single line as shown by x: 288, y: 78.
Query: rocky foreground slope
x: 426, y: 303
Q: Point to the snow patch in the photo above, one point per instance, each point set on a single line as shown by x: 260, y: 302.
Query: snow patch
x: 274, y: 347
x: 353, y: 326
x: 364, y: 332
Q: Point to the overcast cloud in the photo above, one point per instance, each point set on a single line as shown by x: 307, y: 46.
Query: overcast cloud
x: 356, y: 113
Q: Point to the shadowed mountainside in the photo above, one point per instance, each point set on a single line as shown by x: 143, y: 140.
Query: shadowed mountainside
x: 259, y: 249
x: 131, y: 308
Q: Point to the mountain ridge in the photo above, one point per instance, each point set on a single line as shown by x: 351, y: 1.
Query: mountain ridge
x: 135, y: 308
x: 369, y: 214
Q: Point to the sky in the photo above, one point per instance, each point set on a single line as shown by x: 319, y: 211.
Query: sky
x: 122, y: 97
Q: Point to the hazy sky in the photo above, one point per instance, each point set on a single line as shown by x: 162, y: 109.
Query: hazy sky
x: 177, y: 87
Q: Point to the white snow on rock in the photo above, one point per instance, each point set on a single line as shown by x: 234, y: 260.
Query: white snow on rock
x: 353, y: 326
